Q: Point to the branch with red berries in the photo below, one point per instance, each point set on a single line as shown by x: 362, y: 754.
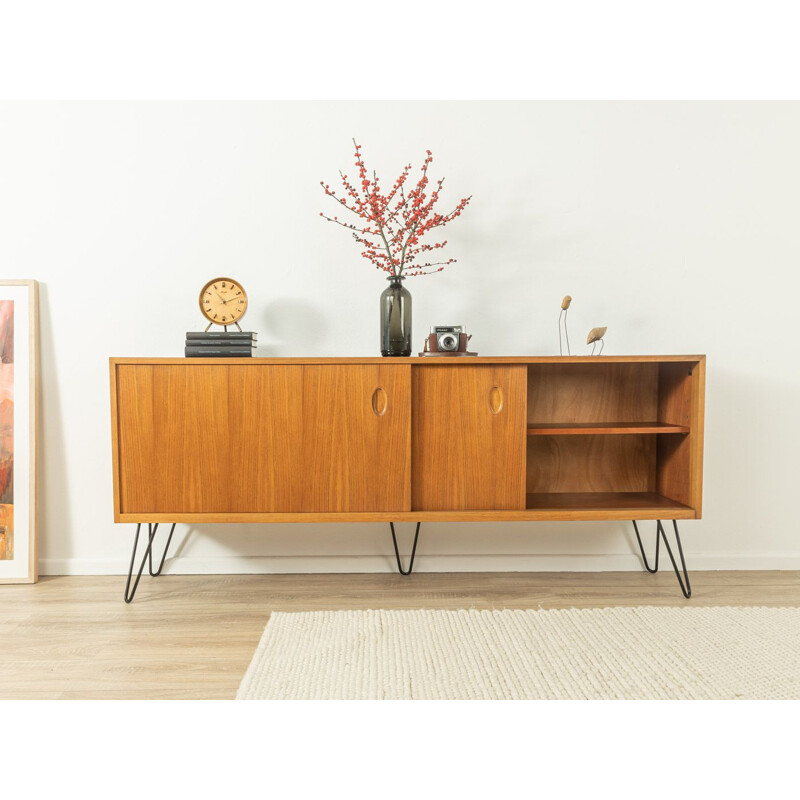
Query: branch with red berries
x: 391, y: 225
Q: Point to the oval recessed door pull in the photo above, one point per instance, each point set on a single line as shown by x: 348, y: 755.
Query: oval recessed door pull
x: 379, y: 402
x: 495, y: 399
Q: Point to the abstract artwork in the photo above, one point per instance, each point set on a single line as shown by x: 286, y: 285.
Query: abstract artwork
x: 6, y: 430
x: 18, y: 390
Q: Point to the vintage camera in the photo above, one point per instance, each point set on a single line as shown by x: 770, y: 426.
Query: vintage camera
x: 447, y: 339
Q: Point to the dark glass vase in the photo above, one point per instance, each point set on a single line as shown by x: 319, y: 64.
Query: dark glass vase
x: 395, y: 319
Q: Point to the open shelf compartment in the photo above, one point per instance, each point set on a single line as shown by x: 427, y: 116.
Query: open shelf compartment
x: 610, y: 437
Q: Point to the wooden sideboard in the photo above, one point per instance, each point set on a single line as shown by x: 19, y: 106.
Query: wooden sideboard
x: 407, y: 439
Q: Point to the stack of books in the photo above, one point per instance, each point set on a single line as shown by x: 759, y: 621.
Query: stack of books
x: 219, y: 344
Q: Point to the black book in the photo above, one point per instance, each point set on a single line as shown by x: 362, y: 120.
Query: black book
x: 220, y: 342
x: 217, y: 352
x: 215, y: 336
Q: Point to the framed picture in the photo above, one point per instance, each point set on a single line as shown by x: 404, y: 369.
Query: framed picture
x: 18, y: 417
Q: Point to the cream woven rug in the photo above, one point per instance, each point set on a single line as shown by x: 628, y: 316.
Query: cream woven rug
x: 611, y: 653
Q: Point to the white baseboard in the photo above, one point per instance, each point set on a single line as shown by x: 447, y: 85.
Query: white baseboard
x: 257, y: 565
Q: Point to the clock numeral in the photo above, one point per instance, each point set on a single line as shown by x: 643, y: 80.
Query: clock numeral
x: 215, y: 316
x: 207, y: 302
x: 224, y: 318
x: 241, y: 301
x: 238, y: 293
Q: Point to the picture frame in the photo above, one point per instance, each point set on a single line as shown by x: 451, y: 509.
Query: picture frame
x: 19, y: 382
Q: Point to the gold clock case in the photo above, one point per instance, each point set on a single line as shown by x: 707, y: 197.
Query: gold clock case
x: 220, y: 280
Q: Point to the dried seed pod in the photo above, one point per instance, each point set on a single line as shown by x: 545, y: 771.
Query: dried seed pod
x: 565, y: 302
x: 596, y: 334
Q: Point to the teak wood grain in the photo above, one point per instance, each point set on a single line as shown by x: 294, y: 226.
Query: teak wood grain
x: 230, y: 439
x: 468, y: 438
x: 680, y: 459
x: 413, y: 360
x: 606, y: 428
x: 592, y: 463
x: 566, y: 511
x: 609, y: 501
x: 371, y: 439
x: 592, y: 392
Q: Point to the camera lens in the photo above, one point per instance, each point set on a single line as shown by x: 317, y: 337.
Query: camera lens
x: 448, y: 342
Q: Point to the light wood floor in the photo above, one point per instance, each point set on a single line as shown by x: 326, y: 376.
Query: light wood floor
x: 193, y: 636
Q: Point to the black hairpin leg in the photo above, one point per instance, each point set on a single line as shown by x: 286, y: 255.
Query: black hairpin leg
x: 147, y: 558
x: 686, y: 587
x: 397, y: 552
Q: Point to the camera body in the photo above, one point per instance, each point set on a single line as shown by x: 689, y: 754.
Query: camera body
x: 447, y: 339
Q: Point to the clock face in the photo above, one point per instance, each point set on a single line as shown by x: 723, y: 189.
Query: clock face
x: 223, y: 301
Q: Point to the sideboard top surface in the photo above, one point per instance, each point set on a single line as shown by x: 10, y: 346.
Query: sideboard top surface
x: 418, y: 360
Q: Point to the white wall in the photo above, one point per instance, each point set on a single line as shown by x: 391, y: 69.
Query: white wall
x: 675, y: 224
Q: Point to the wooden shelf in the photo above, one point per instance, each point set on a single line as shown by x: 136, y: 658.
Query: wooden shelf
x: 584, y: 428
x: 612, y: 502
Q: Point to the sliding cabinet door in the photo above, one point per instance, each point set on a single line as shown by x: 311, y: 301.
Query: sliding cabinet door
x: 468, y: 437
x: 263, y: 438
